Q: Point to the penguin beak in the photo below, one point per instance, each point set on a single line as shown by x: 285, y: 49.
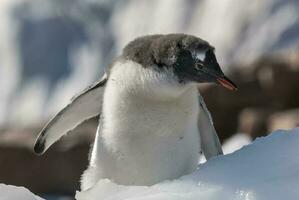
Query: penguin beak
x: 228, y: 84
x: 216, y: 76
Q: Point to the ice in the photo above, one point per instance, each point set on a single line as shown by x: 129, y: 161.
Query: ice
x: 9, y: 192
x: 266, y: 169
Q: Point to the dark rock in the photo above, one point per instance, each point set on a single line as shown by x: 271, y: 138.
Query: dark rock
x: 57, y: 171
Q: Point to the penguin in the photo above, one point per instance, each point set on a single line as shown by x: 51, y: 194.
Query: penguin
x: 153, y: 121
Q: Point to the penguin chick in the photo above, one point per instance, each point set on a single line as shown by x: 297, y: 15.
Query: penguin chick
x: 153, y: 121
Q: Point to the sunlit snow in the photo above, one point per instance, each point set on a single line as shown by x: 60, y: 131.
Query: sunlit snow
x: 9, y: 192
x: 266, y: 169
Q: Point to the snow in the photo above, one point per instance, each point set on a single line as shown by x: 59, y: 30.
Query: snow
x: 266, y: 169
x: 9, y: 192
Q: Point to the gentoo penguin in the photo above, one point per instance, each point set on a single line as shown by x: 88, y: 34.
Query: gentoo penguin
x: 153, y: 121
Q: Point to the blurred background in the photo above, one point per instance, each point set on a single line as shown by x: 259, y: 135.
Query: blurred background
x: 50, y: 50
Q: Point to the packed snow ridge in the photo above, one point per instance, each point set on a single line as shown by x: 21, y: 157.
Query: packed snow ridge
x: 10, y: 192
x: 266, y: 169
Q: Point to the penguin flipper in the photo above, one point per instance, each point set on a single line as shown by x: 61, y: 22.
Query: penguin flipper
x: 210, y: 143
x: 83, y: 106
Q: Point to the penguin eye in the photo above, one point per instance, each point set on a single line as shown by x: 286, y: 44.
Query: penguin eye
x: 199, y: 65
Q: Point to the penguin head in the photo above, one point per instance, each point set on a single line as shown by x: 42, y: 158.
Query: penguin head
x: 180, y: 59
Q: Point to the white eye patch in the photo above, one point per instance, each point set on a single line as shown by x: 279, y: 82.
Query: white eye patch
x: 200, y: 55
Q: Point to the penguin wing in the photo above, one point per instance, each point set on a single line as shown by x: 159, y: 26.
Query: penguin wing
x: 210, y: 143
x: 83, y: 106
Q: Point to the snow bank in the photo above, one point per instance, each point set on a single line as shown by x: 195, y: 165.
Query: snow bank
x: 9, y: 192
x: 266, y: 169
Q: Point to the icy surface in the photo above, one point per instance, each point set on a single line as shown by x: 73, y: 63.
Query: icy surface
x: 9, y: 192
x: 266, y: 169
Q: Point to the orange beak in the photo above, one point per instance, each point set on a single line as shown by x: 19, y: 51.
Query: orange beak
x: 228, y: 84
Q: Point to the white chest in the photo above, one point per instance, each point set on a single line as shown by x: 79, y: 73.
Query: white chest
x: 143, y: 142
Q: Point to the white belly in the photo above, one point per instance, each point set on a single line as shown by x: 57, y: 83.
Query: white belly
x: 142, y: 144
x: 150, y: 159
